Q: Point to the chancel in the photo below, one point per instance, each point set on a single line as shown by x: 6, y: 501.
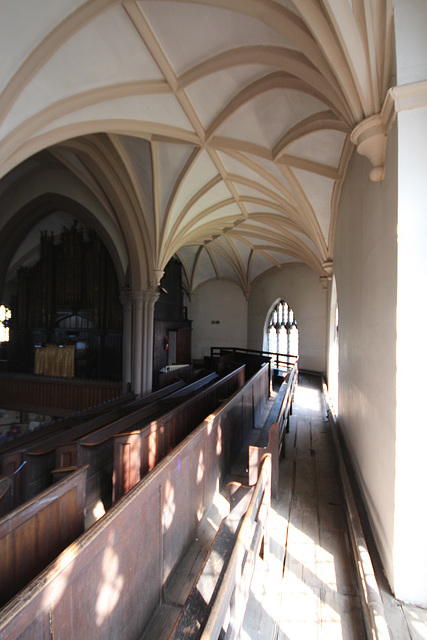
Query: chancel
x: 198, y: 198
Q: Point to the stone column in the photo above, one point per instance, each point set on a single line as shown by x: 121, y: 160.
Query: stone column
x: 126, y: 300
x: 150, y: 299
x: 137, y: 340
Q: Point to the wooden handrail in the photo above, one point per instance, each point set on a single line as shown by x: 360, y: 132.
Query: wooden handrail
x: 233, y: 593
x: 286, y: 406
x: 274, y: 357
x: 276, y: 435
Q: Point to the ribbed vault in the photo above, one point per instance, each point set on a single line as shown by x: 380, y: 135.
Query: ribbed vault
x: 215, y: 130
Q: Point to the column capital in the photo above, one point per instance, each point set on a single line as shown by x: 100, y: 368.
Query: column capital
x: 158, y: 275
x: 370, y: 138
x: 137, y: 298
x: 370, y: 135
x: 325, y: 281
x: 125, y: 298
x: 328, y: 268
x: 150, y: 297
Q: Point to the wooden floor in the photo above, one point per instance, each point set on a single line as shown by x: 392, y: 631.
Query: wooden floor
x: 305, y: 588
x: 308, y: 590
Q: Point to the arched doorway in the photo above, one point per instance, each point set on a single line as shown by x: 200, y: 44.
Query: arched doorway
x: 282, y: 336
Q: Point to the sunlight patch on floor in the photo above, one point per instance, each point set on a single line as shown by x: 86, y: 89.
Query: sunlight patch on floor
x: 308, y: 398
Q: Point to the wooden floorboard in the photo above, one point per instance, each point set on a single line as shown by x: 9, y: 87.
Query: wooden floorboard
x: 309, y: 589
x: 162, y: 623
x: 305, y: 587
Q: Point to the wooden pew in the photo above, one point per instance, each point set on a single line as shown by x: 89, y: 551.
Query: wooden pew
x: 223, y: 356
x: 13, y: 454
x: 195, y: 386
x: 276, y: 434
x: 32, y: 535
x: 126, y: 555
x: 60, y: 424
x: 96, y: 449
x: 60, y: 449
x: 6, y: 487
x: 138, y: 451
x: 225, y: 577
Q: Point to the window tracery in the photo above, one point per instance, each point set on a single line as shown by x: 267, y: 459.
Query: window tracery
x: 282, y: 330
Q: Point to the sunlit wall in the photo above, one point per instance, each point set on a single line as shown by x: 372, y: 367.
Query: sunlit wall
x: 218, y: 311
x: 365, y: 269
x: 410, y: 549
x: 303, y: 291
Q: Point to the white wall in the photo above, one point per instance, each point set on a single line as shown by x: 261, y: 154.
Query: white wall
x: 302, y: 289
x: 365, y: 267
x: 217, y: 300
x: 410, y: 549
x: 410, y: 17
x: 381, y: 268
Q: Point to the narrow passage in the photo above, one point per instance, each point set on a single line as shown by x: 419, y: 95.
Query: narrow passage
x: 307, y: 590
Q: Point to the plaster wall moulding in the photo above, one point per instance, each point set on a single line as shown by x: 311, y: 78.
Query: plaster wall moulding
x: 328, y: 268
x: 158, y: 275
x: 324, y: 280
x: 370, y: 135
x: 370, y: 138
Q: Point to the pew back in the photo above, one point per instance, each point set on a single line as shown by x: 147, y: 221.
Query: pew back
x: 137, y: 452
x: 32, y: 535
x: 109, y: 581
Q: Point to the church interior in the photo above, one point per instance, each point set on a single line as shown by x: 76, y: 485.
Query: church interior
x: 176, y: 175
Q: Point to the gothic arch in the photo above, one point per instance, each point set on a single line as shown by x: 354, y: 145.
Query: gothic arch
x: 281, y: 320
x: 30, y: 214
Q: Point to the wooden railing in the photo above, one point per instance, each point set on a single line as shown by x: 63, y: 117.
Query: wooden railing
x: 54, y: 396
x: 282, y: 361
x: 276, y: 435
x: 233, y: 594
x: 286, y: 405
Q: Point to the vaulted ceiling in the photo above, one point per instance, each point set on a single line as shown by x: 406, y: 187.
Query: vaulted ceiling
x: 217, y: 130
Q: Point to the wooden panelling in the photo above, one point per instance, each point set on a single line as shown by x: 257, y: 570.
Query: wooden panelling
x: 54, y: 396
x: 32, y: 535
x: 147, y: 446
x: 108, y: 582
x: 6, y: 490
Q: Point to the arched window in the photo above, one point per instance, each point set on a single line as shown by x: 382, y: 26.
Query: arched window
x: 282, y: 330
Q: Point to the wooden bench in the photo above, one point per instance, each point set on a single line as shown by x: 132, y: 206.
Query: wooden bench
x: 32, y: 535
x: 224, y: 580
x: 137, y: 452
x: 276, y: 434
x: 13, y: 454
x: 126, y: 553
x: 61, y: 448
x: 6, y: 488
x: 96, y: 450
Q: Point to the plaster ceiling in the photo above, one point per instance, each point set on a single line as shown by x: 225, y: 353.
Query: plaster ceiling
x: 220, y: 128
